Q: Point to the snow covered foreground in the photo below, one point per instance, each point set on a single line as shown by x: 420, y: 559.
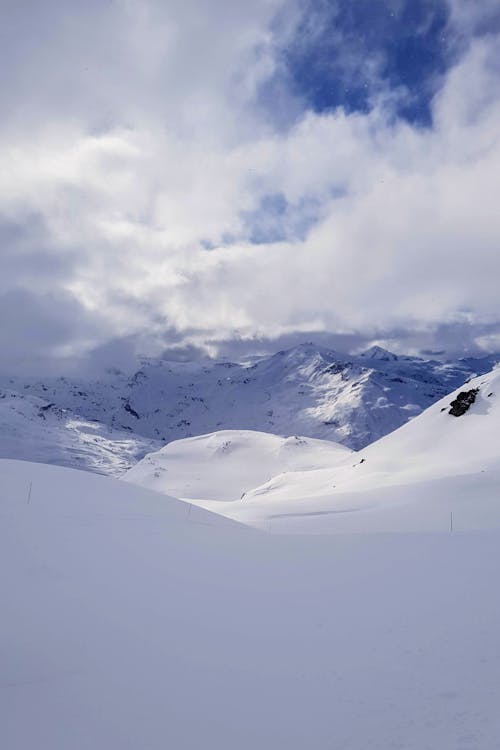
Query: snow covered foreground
x: 131, y: 620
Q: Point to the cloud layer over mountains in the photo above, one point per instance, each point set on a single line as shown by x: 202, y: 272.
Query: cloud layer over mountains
x: 165, y: 181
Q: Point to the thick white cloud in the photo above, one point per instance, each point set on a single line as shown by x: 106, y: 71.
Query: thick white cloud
x: 136, y: 160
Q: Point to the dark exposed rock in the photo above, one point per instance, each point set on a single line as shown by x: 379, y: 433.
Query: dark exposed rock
x: 128, y: 408
x: 46, y: 407
x: 463, y: 402
x: 335, y: 368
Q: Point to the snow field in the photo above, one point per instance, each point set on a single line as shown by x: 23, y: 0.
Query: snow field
x: 129, y: 622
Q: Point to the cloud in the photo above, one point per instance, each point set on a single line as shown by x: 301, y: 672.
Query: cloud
x: 151, y: 195
x: 40, y: 329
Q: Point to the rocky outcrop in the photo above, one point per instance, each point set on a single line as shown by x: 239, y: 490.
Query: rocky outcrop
x: 463, y: 402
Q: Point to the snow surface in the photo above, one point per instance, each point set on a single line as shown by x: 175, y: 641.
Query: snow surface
x: 224, y: 465
x: 35, y: 429
x: 132, y: 620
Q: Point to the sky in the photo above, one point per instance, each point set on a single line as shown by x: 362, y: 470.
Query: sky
x: 194, y: 178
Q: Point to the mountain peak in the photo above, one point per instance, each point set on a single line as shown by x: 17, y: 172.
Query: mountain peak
x: 306, y: 350
x: 377, y: 352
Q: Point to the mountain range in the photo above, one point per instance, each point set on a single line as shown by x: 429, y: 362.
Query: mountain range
x: 108, y: 424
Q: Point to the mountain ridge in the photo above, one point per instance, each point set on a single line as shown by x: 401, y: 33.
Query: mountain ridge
x: 307, y: 390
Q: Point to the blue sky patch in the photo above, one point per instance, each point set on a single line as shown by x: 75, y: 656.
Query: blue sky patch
x: 277, y: 220
x: 343, y: 54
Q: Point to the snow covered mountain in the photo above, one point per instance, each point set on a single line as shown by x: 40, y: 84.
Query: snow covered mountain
x: 445, y: 461
x: 35, y: 429
x: 307, y: 390
x: 458, y: 435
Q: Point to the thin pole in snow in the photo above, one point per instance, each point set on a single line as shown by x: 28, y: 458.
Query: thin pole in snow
x: 29, y: 492
x: 451, y: 522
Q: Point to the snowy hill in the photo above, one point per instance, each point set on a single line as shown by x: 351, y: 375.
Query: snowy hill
x: 131, y: 620
x: 307, y: 390
x: 35, y: 429
x: 224, y: 465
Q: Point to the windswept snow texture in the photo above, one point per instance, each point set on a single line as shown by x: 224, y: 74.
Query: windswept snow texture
x: 35, y: 429
x: 224, y: 465
x: 131, y: 620
x: 308, y: 390
x: 415, y: 478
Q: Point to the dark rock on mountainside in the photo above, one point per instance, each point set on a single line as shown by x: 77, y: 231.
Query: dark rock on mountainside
x: 131, y: 411
x: 463, y: 402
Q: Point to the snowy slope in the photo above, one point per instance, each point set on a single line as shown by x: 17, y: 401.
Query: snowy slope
x: 308, y: 390
x: 224, y: 465
x: 435, y: 444
x: 130, y: 620
x: 35, y: 429
x: 428, y: 467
